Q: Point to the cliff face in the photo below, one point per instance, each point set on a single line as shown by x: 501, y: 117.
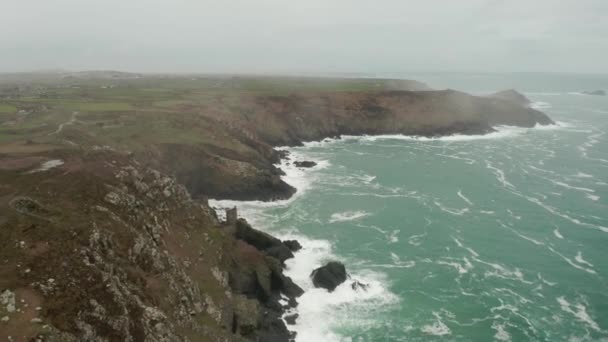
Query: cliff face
x: 101, y: 248
x: 262, y: 122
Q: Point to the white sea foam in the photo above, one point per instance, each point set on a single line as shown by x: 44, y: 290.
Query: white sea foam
x: 557, y: 234
x: 348, y: 216
x: 501, y: 333
x: 457, y: 212
x: 545, y: 281
x: 578, y: 310
x: 580, y: 260
x: 500, y: 175
x: 394, y: 236
x: 414, y: 240
x: 540, y: 105
x: 500, y: 132
x: 462, y: 268
x: 469, y: 249
x: 536, y: 242
x: 398, y: 263
x: 572, y: 187
x: 544, y: 93
x: 562, y: 215
x: 437, y: 328
x: 583, y: 175
x: 503, y: 272
x: 572, y: 263
x: 513, y: 214
x: 593, y: 197
x: 319, y: 310
x: 464, y: 198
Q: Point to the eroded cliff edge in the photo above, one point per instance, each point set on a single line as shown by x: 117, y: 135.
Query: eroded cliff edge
x: 248, y: 173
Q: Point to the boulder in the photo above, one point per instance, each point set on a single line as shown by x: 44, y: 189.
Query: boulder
x: 305, y: 164
x: 291, y: 318
x: 329, y: 276
x: 357, y: 285
x: 293, y: 245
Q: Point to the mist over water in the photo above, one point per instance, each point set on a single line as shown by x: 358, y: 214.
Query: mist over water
x: 501, y: 237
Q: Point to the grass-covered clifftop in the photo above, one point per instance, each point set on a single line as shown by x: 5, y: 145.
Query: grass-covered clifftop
x: 104, y: 230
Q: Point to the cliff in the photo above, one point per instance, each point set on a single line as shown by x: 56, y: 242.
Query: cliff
x: 105, y: 233
x: 101, y: 248
x: 262, y: 122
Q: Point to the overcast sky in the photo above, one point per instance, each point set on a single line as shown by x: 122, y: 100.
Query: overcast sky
x: 305, y: 36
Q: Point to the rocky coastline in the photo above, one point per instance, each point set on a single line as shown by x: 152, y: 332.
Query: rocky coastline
x: 251, y: 174
x: 109, y: 244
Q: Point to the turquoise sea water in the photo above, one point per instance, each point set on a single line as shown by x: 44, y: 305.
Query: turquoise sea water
x: 501, y: 237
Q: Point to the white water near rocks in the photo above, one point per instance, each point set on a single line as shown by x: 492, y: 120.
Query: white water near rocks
x: 495, y: 237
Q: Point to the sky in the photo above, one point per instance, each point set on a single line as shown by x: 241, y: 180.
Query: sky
x: 307, y: 36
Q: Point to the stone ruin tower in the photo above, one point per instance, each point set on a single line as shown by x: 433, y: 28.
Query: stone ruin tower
x: 231, y: 216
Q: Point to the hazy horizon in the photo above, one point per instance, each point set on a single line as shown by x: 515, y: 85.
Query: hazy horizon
x: 315, y: 37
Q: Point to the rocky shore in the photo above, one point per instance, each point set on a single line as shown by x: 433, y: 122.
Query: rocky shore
x: 249, y: 173
x: 112, y: 239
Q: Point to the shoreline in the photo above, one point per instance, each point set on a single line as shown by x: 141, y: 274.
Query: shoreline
x: 315, y: 252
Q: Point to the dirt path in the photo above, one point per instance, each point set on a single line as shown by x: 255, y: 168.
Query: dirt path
x: 69, y: 122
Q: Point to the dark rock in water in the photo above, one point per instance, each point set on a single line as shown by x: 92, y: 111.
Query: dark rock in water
x: 293, y: 245
x: 262, y: 241
x: 357, y: 285
x: 292, y: 303
x: 305, y: 164
x: 595, y: 92
x: 329, y: 276
x: 291, y: 319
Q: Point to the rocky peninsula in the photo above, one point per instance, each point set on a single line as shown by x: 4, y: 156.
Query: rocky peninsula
x: 105, y: 229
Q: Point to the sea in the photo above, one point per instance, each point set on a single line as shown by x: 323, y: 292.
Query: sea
x: 500, y: 237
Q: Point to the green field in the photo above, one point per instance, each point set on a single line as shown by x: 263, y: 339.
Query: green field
x: 5, y: 108
x: 132, y: 113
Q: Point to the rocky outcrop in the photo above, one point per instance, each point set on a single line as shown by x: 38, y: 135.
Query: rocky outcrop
x: 359, y: 286
x: 305, y: 164
x: 513, y: 96
x: 104, y: 248
x: 293, y: 245
x: 262, y: 241
x: 599, y: 92
x: 291, y: 318
x: 329, y: 276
